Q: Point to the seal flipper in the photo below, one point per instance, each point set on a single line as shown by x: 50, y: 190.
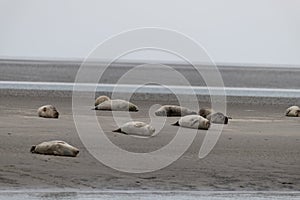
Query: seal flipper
x: 175, y: 124
x: 287, y: 113
x: 194, y: 122
x: 119, y: 131
x: 95, y: 108
x: 32, y: 149
x: 226, y: 120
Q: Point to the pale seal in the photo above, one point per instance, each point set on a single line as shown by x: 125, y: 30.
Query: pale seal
x: 217, y: 118
x: 48, y: 111
x: 101, y: 99
x: 117, y: 105
x: 173, y: 110
x: 214, y: 117
x: 293, y: 111
x: 136, y: 128
x: 193, y: 121
x: 56, y: 147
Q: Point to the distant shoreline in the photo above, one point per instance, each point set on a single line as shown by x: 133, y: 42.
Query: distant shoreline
x: 243, y: 84
x: 125, y: 61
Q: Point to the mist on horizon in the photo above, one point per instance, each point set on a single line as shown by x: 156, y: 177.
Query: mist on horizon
x: 244, y: 32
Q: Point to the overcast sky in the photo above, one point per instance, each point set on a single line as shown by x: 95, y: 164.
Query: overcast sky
x: 232, y: 31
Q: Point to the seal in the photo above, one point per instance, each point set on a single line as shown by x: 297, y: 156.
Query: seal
x: 214, y: 117
x: 204, y: 112
x: 101, y: 99
x: 293, y: 111
x: 136, y: 128
x: 173, y: 111
x: 48, y: 111
x: 193, y: 121
x: 217, y: 118
x: 55, y: 147
x: 117, y: 105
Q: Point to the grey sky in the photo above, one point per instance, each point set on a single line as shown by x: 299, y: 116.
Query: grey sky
x: 232, y: 31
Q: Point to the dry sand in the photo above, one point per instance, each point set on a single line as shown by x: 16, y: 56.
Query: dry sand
x: 258, y: 150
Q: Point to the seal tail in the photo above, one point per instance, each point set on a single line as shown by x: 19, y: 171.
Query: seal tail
x: 175, y: 124
x: 119, y: 131
x: 287, y: 113
x: 32, y: 149
x: 226, y: 120
x: 95, y: 108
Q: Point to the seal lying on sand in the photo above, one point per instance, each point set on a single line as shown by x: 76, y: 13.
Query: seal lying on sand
x: 193, y: 121
x: 105, y: 103
x: 173, y: 110
x: 218, y: 118
x: 136, y: 128
x: 101, y: 99
x: 204, y: 112
x: 48, y: 111
x: 293, y: 111
x: 214, y: 117
x: 56, y: 147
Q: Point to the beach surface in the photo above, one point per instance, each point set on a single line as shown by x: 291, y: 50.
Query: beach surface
x: 256, y: 157
x: 259, y: 150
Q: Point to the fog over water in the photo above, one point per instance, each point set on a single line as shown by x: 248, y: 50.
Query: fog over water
x: 232, y: 31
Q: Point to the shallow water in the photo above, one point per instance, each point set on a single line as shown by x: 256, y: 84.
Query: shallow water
x: 166, y: 195
x: 153, y: 89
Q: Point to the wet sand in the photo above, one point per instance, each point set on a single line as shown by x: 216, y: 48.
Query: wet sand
x: 258, y: 150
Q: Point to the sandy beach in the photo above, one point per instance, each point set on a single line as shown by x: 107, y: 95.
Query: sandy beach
x: 258, y: 150
x: 238, y: 58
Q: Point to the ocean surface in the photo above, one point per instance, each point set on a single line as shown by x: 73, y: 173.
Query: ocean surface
x: 153, y: 89
x: 243, y: 76
x: 147, y: 195
x: 246, y: 81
